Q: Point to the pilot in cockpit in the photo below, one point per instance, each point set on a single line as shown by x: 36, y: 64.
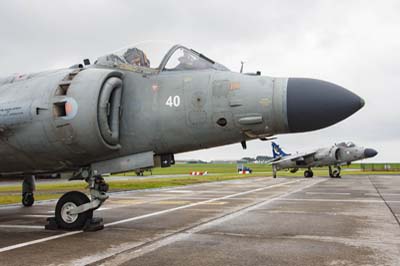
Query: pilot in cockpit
x: 136, y: 57
x: 190, y: 61
x: 185, y: 61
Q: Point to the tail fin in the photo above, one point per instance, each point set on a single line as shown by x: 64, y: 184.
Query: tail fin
x: 277, y: 151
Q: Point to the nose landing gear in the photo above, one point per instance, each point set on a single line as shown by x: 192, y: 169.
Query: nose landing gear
x: 308, y: 173
x: 74, y: 210
x: 334, y: 172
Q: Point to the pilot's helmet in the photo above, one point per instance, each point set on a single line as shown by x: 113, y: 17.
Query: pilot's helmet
x: 137, y: 57
x: 186, y: 58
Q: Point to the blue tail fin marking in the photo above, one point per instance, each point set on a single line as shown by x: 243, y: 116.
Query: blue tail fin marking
x: 277, y: 151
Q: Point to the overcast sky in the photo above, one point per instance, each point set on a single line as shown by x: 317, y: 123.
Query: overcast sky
x: 355, y: 44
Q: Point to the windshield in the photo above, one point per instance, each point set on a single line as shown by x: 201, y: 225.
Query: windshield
x: 348, y: 144
x: 181, y: 58
x: 156, y: 57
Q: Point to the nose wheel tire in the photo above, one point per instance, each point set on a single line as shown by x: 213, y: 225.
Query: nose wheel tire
x: 65, y: 204
x: 308, y: 174
x: 334, y: 173
x: 28, y: 199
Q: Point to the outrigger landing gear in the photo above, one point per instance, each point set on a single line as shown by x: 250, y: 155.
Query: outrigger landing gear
x: 74, y: 210
x: 28, y: 187
x: 308, y: 173
x: 335, y: 173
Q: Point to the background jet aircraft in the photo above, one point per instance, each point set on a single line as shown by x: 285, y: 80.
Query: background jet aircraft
x: 123, y: 113
x: 334, y: 157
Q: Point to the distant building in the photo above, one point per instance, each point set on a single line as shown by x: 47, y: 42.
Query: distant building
x: 262, y: 159
x: 196, y: 162
x: 222, y: 162
x: 248, y: 160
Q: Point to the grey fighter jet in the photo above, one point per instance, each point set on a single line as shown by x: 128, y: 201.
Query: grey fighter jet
x: 126, y: 111
x: 334, y: 157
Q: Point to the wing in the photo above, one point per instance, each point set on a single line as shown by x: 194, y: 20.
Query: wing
x: 298, y: 157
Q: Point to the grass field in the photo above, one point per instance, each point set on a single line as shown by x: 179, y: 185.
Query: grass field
x: 217, y: 172
x: 257, y: 168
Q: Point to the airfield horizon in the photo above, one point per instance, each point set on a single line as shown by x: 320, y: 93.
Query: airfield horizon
x: 175, y: 176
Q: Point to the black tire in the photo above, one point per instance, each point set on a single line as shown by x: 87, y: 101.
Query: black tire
x: 72, y: 198
x: 308, y: 173
x: 335, y: 174
x: 28, y: 199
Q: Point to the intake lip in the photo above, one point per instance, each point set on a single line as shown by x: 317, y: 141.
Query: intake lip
x: 314, y: 104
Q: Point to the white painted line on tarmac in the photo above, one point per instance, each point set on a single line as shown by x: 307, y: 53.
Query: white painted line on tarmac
x: 180, y: 191
x: 328, y: 193
x: 214, y: 191
x: 373, y: 194
x: 383, y: 194
x: 29, y: 243
x: 18, y: 226
x: 41, y: 240
x: 343, y: 200
x: 36, y: 215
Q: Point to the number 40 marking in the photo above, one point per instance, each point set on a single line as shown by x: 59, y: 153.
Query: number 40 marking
x: 173, y: 101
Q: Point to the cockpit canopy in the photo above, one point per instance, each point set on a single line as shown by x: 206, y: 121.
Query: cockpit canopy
x: 147, y: 58
x: 348, y: 144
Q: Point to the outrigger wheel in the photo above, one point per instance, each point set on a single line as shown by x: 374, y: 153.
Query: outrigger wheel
x: 65, y: 204
x: 27, y: 199
x: 28, y: 187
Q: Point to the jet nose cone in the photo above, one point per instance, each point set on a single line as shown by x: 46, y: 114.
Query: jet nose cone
x: 368, y: 153
x: 313, y: 104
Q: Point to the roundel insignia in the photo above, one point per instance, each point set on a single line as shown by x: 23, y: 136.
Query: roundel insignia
x: 71, y: 108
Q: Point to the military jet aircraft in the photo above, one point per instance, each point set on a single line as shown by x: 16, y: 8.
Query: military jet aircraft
x: 335, y: 156
x: 127, y: 112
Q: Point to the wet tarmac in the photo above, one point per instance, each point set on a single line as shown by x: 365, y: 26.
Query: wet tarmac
x: 256, y: 221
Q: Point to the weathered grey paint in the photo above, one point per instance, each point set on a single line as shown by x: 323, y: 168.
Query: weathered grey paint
x: 33, y: 139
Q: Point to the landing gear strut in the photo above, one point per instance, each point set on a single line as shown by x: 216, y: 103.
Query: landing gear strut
x: 274, y: 171
x: 308, y: 173
x: 335, y: 172
x: 28, y: 187
x: 74, y: 210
